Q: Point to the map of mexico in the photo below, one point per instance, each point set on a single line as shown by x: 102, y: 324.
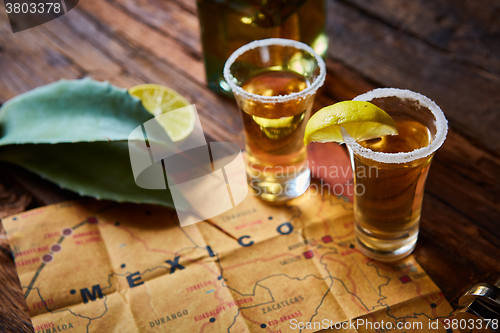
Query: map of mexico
x: 98, y: 267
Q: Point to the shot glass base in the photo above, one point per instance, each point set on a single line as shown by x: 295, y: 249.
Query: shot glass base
x: 385, y: 250
x: 280, y: 189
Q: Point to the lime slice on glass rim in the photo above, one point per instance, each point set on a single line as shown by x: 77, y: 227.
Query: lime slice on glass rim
x: 177, y: 120
x: 361, y: 120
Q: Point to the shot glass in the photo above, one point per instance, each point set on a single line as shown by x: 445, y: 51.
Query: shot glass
x: 274, y: 82
x: 390, y: 173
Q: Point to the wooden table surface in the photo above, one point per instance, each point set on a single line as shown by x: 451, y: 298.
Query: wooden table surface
x: 448, y: 50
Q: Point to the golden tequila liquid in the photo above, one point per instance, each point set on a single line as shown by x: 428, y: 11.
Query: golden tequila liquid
x: 389, y: 207
x: 275, y: 131
x: 274, y: 134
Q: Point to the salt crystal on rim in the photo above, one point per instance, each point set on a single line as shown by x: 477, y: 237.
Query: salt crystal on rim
x: 440, y: 119
x: 230, y: 79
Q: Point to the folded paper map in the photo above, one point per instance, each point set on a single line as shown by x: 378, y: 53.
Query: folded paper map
x: 88, y: 266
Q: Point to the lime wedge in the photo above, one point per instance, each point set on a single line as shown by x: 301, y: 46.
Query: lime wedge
x: 177, y: 119
x: 361, y: 120
x: 274, y: 123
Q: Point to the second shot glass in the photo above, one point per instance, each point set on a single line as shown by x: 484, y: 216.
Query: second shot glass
x: 390, y: 173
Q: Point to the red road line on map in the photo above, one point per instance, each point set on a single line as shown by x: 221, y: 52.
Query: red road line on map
x: 193, y: 261
x: 254, y: 321
x: 202, y: 329
x: 221, y: 300
x: 259, y: 259
x: 349, y: 277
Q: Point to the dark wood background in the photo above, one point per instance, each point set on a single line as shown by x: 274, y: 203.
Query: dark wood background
x: 448, y: 50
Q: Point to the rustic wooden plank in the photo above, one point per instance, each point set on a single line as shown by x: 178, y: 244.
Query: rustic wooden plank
x: 27, y: 70
x: 170, y: 18
x: 13, y: 309
x: 468, y: 95
x: 92, y: 62
x: 134, y: 32
x: 344, y: 83
x: 13, y: 197
x: 452, y: 273
x: 466, y: 178
x: 42, y: 191
x: 469, y: 30
x: 26, y: 62
x: 454, y: 252
x: 13, y: 312
x: 61, y: 46
x: 189, y: 5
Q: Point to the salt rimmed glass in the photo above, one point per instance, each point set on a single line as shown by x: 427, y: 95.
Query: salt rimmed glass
x: 390, y: 185
x: 274, y: 82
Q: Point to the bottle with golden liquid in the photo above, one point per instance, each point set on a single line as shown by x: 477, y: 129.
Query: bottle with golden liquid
x: 390, y: 173
x: 274, y: 82
x: 229, y: 24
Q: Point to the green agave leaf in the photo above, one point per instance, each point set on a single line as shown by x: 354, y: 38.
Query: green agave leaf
x: 71, y: 111
x: 74, y: 133
x: 97, y: 169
